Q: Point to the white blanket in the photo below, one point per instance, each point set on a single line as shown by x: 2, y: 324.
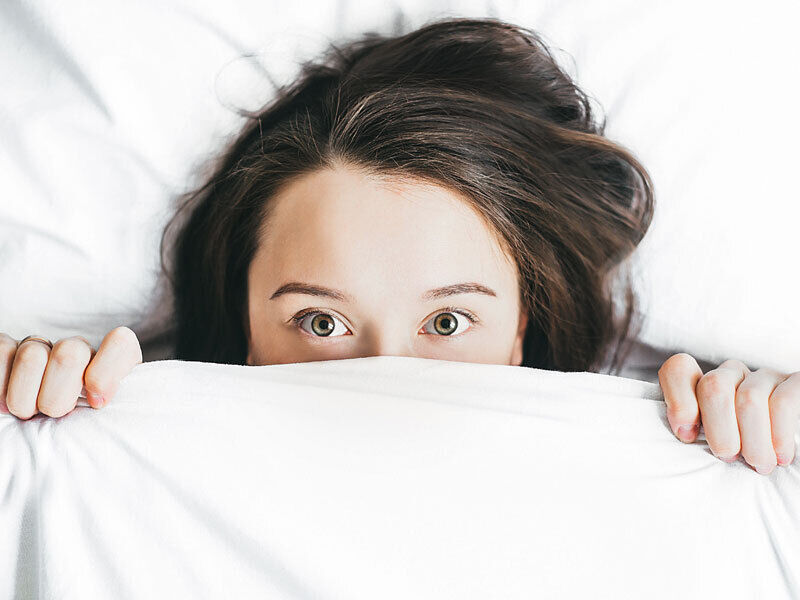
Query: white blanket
x: 384, y: 477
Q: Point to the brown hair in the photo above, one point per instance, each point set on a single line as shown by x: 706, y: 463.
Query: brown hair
x: 478, y: 106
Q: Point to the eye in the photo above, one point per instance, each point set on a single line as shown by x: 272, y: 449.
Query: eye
x: 446, y: 324
x: 323, y: 324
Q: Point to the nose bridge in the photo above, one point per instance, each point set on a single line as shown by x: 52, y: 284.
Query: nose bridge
x: 388, y: 341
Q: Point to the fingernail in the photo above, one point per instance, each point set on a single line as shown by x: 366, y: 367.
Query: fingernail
x: 687, y: 432
x: 783, y: 460
x: 729, y: 459
x: 95, y: 400
x: 765, y: 470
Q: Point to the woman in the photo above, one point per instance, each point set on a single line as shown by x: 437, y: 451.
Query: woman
x: 442, y: 194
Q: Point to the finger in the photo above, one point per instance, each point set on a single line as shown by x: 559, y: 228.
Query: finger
x: 716, y: 392
x: 27, y: 369
x: 678, y: 377
x: 8, y: 348
x: 784, y: 411
x: 753, y: 417
x: 118, y: 353
x: 63, y: 376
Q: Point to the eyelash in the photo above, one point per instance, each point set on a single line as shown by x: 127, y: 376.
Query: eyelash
x: 447, y: 309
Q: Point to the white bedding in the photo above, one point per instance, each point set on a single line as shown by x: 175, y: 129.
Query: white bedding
x: 384, y: 477
x: 389, y: 477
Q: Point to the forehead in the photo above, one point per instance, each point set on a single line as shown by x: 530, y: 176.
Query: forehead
x: 341, y: 219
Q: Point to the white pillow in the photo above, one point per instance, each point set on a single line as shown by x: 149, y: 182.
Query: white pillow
x: 109, y: 108
x: 701, y: 92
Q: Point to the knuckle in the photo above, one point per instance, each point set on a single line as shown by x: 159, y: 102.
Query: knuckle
x: 126, y: 339
x: 734, y: 364
x: 69, y: 352
x: 713, y: 388
x: 781, y: 400
x: 81, y: 339
x: 746, y: 398
x: 31, y: 356
x: 677, y: 362
x: 122, y: 335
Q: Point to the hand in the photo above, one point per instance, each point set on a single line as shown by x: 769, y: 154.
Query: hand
x: 755, y: 412
x: 34, y: 378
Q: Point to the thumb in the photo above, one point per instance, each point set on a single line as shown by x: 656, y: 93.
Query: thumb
x: 678, y: 377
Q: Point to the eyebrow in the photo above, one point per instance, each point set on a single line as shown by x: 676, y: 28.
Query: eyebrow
x: 298, y: 287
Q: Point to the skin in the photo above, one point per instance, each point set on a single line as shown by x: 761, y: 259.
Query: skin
x: 754, y: 413
x: 35, y: 378
x: 330, y: 228
x: 342, y: 229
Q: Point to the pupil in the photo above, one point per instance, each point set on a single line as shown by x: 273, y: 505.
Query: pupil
x: 326, y: 328
x: 448, y: 322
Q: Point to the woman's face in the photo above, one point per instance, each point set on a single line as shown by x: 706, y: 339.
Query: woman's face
x: 373, y: 263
